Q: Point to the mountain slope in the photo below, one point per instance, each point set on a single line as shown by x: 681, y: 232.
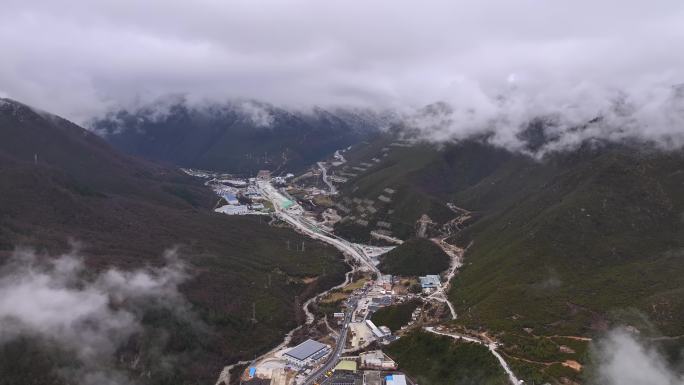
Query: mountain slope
x: 567, y: 245
x: 125, y: 213
x: 238, y: 137
x: 415, y: 257
x: 605, y: 231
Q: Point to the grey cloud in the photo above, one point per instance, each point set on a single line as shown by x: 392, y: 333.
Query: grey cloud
x: 257, y: 114
x: 58, y: 301
x: 652, y: 113
x: 622, y: 359
x: 80, y: 58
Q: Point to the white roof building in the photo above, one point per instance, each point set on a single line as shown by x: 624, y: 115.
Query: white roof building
x: 233, y: 210
x: 307, y: 353
x: 375, y: 330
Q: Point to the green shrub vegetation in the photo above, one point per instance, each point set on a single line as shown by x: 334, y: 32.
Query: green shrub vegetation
x: 437, y: 360
x: 395, y: 316
x: 415, y: 257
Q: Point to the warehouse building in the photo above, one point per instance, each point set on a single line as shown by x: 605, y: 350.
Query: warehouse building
x: 307, y: 353
x: 375, y: 330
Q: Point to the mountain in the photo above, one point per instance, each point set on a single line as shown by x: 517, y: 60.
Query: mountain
x: 236, y: 137
x: 567, y: 245
x: 63, y: 185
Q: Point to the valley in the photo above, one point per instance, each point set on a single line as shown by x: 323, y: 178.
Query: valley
x: 448, y: 192
x: 364, y: 261
x: 455, y: 247
x: 533, y: 353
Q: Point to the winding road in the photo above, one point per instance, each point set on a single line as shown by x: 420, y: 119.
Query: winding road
x: 324, y: 171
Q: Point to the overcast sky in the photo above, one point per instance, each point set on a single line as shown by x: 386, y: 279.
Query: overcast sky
x: 78, y: 57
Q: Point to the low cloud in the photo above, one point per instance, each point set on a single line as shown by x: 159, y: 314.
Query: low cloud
x: 622, y: 359
x: 563, y: 115
x: 78, y: 58
x: 551, y: 281
x: 257, y: 114
x: 58, y: 301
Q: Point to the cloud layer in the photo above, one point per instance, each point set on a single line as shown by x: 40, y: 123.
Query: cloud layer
x: 59, y: 301
x: 650, y: 113
x: 78, y: 58
x: 623, y: 360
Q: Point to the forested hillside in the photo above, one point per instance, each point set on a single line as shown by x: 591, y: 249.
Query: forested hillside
x: 569, y: 244
x: 62, y: 186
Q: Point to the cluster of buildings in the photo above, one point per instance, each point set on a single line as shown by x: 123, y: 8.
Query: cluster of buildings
x: 369, y: 368
x: 295, y: 365
x: 367, y: 377
x: 285, y: 367
x: 366, y: 368
x: 346, y: 373
x: 241, y: 196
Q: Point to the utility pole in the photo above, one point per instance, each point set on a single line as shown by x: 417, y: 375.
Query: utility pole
x: 254, y: 312
x: 302, y: 246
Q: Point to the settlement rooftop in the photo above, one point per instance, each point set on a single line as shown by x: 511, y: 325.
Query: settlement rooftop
x: 306, y: 349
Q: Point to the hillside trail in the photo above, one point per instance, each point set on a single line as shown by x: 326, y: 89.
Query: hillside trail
x: 456, y: 254
x: 492, y: 349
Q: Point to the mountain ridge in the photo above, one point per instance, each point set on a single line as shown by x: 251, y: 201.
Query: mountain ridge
x: 238, y: 137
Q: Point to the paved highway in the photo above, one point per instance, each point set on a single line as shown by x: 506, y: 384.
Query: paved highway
x: 336, y: 353
x: 293, y: 216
